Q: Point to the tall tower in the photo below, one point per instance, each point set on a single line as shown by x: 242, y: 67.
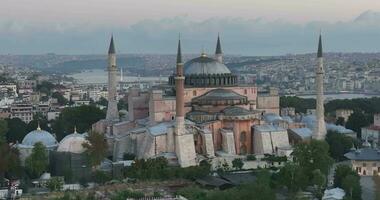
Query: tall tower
x: 184, y: 142
x: 320, y: 128
x: 218, y: 51
x: 112, y: 112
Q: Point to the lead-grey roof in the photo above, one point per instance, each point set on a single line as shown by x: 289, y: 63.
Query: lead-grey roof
x: 365, y: 154
x: 205, y: 65
x: 302, y: 132
x: 268, y: 128
x: 236, y: 111
x: 221, y: 94
x: 39, y: 135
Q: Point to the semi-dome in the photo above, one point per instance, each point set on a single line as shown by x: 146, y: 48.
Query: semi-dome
x: 220, y: 96
x: 39, y: 135
x: 205, y: 65
x: 72, y: 143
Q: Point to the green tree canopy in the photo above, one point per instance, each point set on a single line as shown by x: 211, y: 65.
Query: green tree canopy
x: 45, y: 87
x: 38, y: 161
x: 312, y: 156
x: 292, y: 177
x: 82, y: 117
x: 60, y: 98
x: 9, y: 160
x: 319, y: 181
x: 351, y: 185
x: 17, y: 129
x: 339, y: 144
x: 237, y: 163
x: 95, y: 148
x: 357, y: 120
x: 342, y: 171
x: 300, y: 104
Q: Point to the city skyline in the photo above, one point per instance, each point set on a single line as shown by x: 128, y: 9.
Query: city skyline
x: 246, y: 27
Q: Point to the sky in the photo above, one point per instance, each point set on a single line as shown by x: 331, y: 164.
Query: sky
x: 247, y: 27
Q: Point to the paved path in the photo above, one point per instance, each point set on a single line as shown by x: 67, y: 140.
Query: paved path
x: 368, y: 187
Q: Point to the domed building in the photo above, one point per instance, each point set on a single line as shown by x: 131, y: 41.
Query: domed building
x: 38, y: 135
x: 202, y: 104
x: 72, y: 143
x: 204, y: 71
x: 69, y: 160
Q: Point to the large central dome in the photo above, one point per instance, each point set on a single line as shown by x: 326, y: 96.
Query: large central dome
x: 204, y: 71
x: 205, y: 65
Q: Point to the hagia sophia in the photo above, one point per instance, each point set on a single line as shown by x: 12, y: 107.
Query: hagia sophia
x: 201, y: 113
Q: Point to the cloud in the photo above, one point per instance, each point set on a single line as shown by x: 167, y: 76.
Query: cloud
x: 239, y: 36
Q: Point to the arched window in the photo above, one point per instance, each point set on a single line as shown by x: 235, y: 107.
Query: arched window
x: 194, y: 93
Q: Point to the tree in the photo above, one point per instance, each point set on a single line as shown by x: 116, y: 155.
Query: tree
x: 45, y: 87
x: 342, y: 171
x: 60, y: 98
x: 312, y: 156
x: 292, y: 177
x: 339, y: 145
x: 17, y: 129
x: 54, y: 184
x: 122, y: 104
x: 101, y: 177
x: 300, y: 104
x: 357, y: 120
x: 237, y: 163
x: 3, y: 129
x: 9, y: 160
x: 340, y: 121
x: 102, y: 101
x: 319, y: 181
x: 351, y: 185
x: 95, y: 148
x: 82, y: 117
x: 38, y: 161
x: 38, y: 120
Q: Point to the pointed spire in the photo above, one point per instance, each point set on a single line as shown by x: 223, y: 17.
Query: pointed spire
x: 218, y: 46
x: 179, y: 52
x: 111, y: 50
x: 75, y: 129
x: 320, y: 55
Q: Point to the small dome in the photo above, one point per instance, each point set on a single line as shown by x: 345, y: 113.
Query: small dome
x: 39, y: 135
x: 72, y: 143
x: 205, y: 65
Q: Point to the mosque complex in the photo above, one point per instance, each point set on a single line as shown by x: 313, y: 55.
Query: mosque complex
x: 201, y: 113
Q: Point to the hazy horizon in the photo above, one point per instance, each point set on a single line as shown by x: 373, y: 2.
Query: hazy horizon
x: 262, y: 27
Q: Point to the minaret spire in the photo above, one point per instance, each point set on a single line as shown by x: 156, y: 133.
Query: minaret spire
x: 111, y: 49
x: 184, y: 142
x: 218, y: 50
x: 320, y: 53
x: 179, y: 51
x: 112, y: 111
x: 319, y: 131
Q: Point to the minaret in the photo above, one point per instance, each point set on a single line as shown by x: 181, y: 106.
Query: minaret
x: 218, y: 51
x: 112, y: 112
x: 320, y: 128
x: 184, y: 146
x: 121, y: 74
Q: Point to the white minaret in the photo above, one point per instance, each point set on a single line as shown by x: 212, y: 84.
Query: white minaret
x: 121, y: 74
x: 319, y: 132
x: 112, y: 112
